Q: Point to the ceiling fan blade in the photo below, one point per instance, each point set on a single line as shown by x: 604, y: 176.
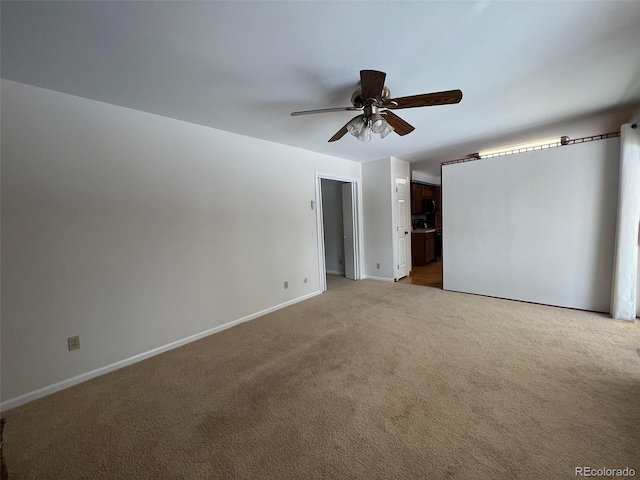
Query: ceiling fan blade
x: 372, y: 83
x: 340, y: 133
x: 425, y: 100
x: 399, y: 125
x: 325, y: 110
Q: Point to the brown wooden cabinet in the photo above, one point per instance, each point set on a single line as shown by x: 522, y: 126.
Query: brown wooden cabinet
x: 417, y: 196
x: 423, y: 248
x: 418, y: 249
x: 430, y: 246
x: 421, y: 192
x: 430, y: 192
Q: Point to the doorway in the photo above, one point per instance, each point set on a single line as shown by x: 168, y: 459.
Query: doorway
x: 429, y: 275
x: 338, y: 226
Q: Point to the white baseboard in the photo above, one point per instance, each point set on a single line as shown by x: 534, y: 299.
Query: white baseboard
x: 49, y: 389
x: 380, y: 279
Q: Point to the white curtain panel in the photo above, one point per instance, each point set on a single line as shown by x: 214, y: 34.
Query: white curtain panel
x: 625, y: 270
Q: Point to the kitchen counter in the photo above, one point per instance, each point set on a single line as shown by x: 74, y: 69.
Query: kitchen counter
x: 423, y: 230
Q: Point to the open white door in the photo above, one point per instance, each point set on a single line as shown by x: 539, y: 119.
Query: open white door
x: 402, y: 232
x: 348, y: 223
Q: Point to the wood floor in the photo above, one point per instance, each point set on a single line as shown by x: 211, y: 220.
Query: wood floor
x: 429, y: 275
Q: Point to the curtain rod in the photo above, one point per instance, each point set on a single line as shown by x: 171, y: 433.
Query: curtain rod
x: 573, y: 141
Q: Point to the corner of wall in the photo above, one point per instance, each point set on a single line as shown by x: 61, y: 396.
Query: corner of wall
x: 636, y: 115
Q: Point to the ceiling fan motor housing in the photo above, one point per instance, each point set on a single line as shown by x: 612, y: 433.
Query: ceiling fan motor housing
x: 358, y: 102
x: 374, y: 120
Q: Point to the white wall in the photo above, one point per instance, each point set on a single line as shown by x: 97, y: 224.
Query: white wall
x: 535, y: 226
x: 333, y: 226
x: 636, y: 116
x: 419, y: 176
x: 135, y: 231
x: 378, y: 226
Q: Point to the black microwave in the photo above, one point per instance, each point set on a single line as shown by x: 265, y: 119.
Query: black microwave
x: 429, y: 206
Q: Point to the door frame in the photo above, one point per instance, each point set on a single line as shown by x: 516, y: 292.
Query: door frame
x: 356, y: 198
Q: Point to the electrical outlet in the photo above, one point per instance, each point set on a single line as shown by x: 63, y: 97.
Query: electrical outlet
x: 286, y: 285
x: 378, y: 266
x: 73, y: 343
x: 340, y: 262
x: 305, y: 280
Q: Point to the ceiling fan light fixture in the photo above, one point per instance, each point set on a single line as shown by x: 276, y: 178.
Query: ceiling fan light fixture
x: 378, y: 123
x: 387, y: 130
x: 356, y: 125
x: 365, y: 134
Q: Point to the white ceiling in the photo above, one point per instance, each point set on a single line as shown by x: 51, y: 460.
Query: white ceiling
x: 525, y: 68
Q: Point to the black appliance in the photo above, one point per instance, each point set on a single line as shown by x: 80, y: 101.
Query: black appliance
x: 419, y: 223
x: 429, y: 206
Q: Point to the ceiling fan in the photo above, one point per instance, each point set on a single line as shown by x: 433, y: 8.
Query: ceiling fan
x: 373, y: 99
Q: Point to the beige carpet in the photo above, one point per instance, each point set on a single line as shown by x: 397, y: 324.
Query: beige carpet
x: 369, y: 380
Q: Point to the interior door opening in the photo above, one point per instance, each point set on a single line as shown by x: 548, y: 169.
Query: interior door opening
x: 338, y: 229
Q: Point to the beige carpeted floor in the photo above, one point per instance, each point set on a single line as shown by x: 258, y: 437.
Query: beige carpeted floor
x: 369, y: 380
